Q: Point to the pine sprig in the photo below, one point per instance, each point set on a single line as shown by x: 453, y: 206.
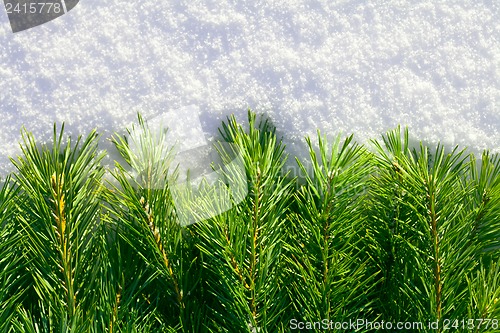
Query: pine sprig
x: 242, y: 247
x: 156, y: 253
x: 329, y: 272
x: 429, y: 207
x: 58, y: 216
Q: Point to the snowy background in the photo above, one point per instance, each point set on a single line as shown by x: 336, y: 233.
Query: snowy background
x: 357, y: 67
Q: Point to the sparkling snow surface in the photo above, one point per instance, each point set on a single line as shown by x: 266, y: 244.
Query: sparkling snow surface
x: 357, y: 67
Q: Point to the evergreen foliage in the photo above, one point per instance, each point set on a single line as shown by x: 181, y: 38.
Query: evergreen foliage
x: 328, y: 266
x: 398, y: 233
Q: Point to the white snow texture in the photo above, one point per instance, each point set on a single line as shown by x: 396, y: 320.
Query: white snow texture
x: 359, y: 67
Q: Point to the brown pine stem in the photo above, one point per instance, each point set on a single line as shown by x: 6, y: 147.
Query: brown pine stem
x: 435, y: 240
x: 253, y: 256
x: 166, y: 262
x: 57, y: 183
x: 114, y: 317
x: 234, y: 263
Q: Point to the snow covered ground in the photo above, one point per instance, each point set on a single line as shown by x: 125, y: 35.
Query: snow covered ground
x: 352, y: 66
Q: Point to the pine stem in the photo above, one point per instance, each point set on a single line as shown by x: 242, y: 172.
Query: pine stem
x: 435, y: 241
x: 329, y: 197
x: 115, y: 308
x: 234, y: 263
x: 57, y: 183
x: 166, y: 261
x: 255, y: 232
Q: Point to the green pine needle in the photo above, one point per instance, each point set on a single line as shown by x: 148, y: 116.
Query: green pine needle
x: 396, y: 232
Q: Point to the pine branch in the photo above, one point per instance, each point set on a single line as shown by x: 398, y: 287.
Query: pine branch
x: 241, y: 247
x: 328, y: 272
x: 436, y: 215
x: 143, y: 209
x: 60, y: 207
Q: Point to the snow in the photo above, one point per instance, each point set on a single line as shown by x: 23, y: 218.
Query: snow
x: 340, y: 66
